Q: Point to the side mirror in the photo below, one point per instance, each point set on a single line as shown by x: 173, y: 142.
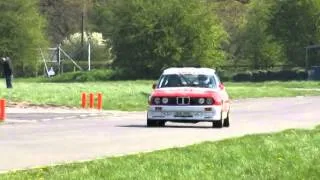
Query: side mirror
x: 221, y: 86
x: 154, y: 85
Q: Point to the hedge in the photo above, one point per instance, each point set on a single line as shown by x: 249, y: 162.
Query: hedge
x: 269, y: 75
x: 247, y: 76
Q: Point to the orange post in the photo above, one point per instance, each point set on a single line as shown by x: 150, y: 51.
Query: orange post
x: 99, y: 104
x: 91, y: 100
x: 2, y: 109
x: 84, y: 100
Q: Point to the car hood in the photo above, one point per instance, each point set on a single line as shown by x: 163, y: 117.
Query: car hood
x: 184, y: 91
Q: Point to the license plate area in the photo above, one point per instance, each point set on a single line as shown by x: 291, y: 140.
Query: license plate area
x: 183, y: 114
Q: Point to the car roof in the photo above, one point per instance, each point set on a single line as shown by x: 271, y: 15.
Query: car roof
x: 189, y: 70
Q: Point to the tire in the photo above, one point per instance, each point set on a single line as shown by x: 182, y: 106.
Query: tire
x: 226, y: 122
x: 153, y: 123
x: 218, y: 124
x: 161, y: 123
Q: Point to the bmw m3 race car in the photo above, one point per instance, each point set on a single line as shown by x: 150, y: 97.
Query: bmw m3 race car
x: 189, y: 95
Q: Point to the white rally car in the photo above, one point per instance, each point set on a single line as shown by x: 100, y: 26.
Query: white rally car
x: 189, y: 95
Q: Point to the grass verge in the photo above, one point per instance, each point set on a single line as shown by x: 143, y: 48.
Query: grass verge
x: 292, y: 154
x: 133, y: 95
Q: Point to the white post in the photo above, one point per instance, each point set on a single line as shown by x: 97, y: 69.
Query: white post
x: 89, y: 56
x: 59, y: 58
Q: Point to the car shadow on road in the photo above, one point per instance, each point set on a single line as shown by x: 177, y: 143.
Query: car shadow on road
x: 46, y: 116
x: 166, y: 126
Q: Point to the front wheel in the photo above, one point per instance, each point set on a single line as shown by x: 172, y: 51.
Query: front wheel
x: 153, y: 123
x: 226, y: 122
x: 218, y: 124
x: 161, y: 123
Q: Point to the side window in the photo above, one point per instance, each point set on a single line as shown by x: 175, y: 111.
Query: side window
x: 213, y: 82
x: 217, y: 79
x: 161, y: 81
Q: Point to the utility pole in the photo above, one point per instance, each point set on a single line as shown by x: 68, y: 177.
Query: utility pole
x: 82, y: 26
x: 307, y: 58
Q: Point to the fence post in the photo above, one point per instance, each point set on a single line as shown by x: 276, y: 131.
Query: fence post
x: 99, y: 104
x: 91, y: 100
x: 2, y: 109
x: 84, y: 100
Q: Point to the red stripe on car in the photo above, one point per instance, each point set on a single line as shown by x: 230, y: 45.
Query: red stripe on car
x: 189, y: 93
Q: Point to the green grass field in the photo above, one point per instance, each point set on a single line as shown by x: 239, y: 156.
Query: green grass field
x: 133, y: 95
x: 292, y: 154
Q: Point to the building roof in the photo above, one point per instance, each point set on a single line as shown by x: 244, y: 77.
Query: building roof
x: 189, y: 70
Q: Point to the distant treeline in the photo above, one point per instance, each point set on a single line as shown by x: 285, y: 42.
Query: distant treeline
x: 142, y: 37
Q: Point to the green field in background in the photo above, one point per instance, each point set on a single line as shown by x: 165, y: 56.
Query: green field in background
x: 133, y: 95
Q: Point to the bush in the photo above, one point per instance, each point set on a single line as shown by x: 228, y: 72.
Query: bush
x: 83, y: 76
x: 279, y: 75
x: 95, y: 75
x: 243, y: 76
x: 260, y: 75
x: 225, y: 75
x: 119, y: 74
x: 302, y: 74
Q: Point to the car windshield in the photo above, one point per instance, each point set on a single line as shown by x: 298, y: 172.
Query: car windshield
x: 187, y: 80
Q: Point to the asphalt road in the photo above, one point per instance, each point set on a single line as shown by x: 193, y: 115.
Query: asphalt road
x: 37, y: 137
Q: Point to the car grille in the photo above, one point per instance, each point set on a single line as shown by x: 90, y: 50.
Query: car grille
x: 182, y: 101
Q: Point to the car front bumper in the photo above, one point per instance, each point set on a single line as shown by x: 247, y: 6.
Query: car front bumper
x: 184, y: 113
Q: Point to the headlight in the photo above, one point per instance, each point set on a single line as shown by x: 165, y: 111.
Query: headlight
x: 165, y: 100
x: 201, y: 100
x: 157, y: 100
x: 209, y: 101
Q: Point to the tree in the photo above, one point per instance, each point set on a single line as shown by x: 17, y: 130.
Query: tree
x: 233, y: 16
x: 65, y: 17
x: 100, y: 48
x: 21, y: 30
x: 272, y: 32
x: 260, y: 49
x: 295, y: 23
x: 148, y: 35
